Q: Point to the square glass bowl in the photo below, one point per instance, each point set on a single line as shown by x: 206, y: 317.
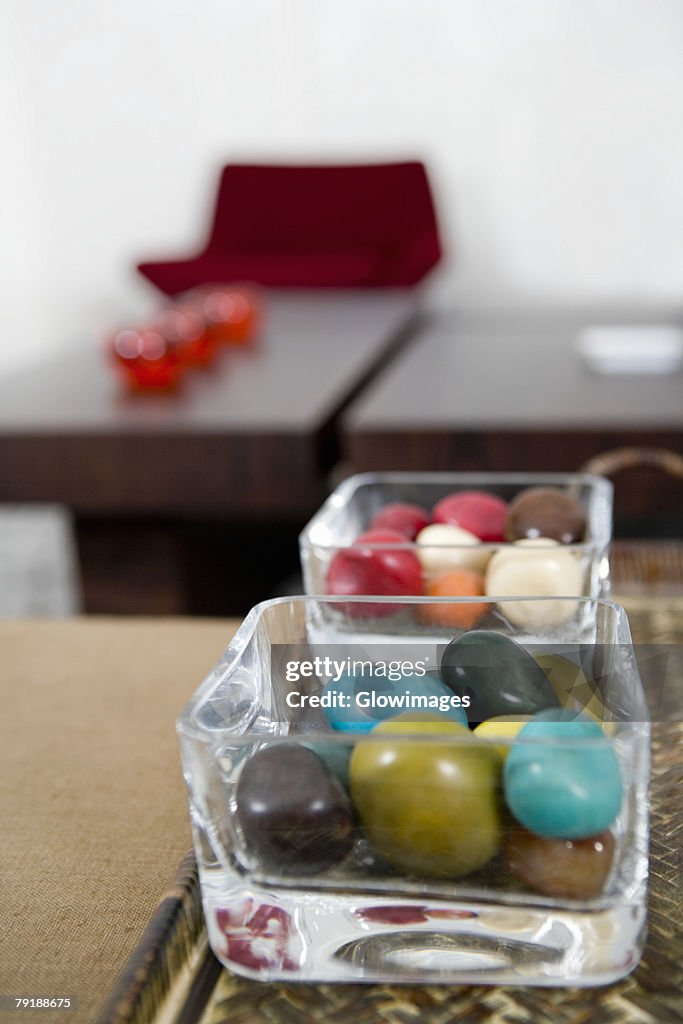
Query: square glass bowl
x: 351, y: 508
x: 398, y: 854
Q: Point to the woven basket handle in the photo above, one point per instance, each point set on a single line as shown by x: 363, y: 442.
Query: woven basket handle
x: 611, y: 462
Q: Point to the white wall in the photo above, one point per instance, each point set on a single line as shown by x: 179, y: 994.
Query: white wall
x: 553, y: 128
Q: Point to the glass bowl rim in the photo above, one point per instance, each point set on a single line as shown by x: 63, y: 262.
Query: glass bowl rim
x: 343, y: 492
x: 229, y: 657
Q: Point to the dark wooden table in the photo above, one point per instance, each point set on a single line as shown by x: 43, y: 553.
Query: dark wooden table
x: 188, y: 485
x: 247, y: 436
x: 510, y: 392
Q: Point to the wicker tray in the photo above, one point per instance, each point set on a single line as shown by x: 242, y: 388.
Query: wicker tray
x: 173, y: 978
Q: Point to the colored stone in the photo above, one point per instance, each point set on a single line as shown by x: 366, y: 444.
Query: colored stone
x: 405, y: 519
x: 294, y: 815
x: 572, y: 686
x: 345, y: 715
x: 482, y: 514
x: 369, y: 567
x: 391, y: 698
x: 429, y: 808
x: 545, y: 512
x: 441, y: 548
x: 497, y: 674
x: 459, y: 615
x: 574, y: 869
x: 335, y: 757
x: 535, y: 568
x: 562, y: 778
x: 502, y: 727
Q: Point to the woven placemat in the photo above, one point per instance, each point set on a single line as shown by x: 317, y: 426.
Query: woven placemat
x: 172, y: 977
x: 654, y: 567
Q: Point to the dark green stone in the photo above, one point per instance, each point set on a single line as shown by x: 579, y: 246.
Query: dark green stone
x: 497, y: 674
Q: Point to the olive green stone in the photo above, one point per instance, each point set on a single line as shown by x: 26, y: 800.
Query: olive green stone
x: 573, y: 689
x: 497, y: 674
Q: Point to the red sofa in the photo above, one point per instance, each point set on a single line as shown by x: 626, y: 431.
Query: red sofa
x: 368, y: 226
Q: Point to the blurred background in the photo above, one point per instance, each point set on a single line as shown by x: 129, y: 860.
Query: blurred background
x: 551, y: 132
x: 551, y: 136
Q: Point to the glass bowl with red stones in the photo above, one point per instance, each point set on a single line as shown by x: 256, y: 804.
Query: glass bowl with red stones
x: 462, y: 535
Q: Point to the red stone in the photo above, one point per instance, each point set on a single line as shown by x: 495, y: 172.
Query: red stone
x: 364, y: 569
x: 482, y: 514
x: 405, y: 519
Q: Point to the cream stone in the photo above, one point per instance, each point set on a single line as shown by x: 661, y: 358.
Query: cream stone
x: 535, y: 568
x: 441, y: 547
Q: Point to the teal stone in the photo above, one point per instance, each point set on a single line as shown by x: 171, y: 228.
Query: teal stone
x: 561, y: 778
x: 348, y: 717
x: 562, y: 714
x: 437, y: 693
x: 409, y: 693
x: 498, y: 675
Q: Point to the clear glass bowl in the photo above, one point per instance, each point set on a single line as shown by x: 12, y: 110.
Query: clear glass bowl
x: 351, y: 507
x: 366, y: 918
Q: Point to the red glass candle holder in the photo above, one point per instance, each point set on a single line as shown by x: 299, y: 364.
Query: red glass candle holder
x: 145, y: 359
x: 187, y: 332
x: 232, y: 313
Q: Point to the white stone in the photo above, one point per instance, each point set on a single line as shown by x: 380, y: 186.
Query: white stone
x: 535, y: 568
x: 441, y: 547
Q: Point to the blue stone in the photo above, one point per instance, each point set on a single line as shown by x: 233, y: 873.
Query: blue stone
x: 430, y: 686
x: 360, y: 719
x: 354, y: 718
x: 561, y: 777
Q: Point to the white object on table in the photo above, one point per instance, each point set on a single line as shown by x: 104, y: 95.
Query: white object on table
x: 656, y: 349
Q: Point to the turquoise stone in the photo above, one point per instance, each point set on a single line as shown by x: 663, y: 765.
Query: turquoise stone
x: 351, y: 718
x: 362, y: 719
x: 498, y: 674
x: 430, y: 686
x: 561, y: 778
